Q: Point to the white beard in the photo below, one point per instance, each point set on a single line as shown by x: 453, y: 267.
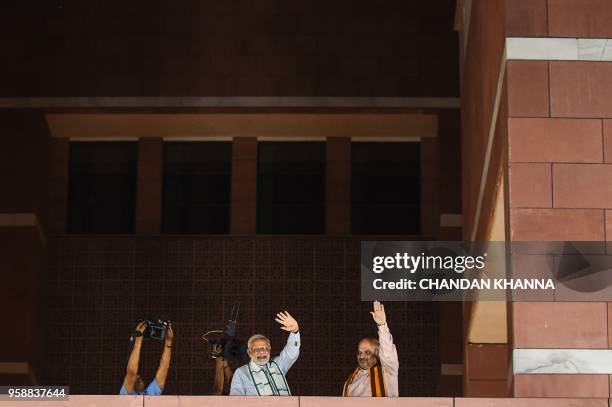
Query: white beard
x: 262, y: 363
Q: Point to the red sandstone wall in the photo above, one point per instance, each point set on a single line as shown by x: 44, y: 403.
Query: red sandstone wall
x: 560, y: 177
x: 559, y: 190
x: 559, y: 18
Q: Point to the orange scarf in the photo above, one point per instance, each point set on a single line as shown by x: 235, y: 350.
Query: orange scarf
x: 377, y: 381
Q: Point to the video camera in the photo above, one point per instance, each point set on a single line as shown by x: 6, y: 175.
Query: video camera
x: 155, y: 328
x: 231, y: 347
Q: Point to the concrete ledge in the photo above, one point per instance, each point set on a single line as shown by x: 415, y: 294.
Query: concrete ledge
x: 559, y: 49
x: 84, y: 401
x: 18, y: 219
x: 23, y: 220
x: 562, y: 361
x: 530, y: 402
x: 307, y: 401
x: 222, y: 401
x: 269, y: 125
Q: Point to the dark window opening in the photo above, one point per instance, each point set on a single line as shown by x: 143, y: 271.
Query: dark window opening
x: 197, y: 185
x: 291, y: 188
x: 102, y: 187
x: 386, y: 188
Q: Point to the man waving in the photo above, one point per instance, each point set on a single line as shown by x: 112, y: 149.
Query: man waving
x: 378, y: 363
x: 262, y: 376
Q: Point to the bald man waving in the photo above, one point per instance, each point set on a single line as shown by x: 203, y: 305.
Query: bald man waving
x: 378, y: 364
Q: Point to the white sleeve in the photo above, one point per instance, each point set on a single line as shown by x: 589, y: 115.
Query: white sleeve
x: 290, y: 352
x: 387, y: 351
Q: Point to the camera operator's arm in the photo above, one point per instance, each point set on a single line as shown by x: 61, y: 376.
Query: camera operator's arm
x: 219, y: 376
x: 132, y: 367
x: 227, y: 372
x: 223, y: 376
x: 164, y: 363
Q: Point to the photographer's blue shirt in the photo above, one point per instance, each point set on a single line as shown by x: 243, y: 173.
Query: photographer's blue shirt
x: 151, y: 390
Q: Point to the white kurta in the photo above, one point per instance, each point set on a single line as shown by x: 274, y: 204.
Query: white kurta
x: 242, y: 383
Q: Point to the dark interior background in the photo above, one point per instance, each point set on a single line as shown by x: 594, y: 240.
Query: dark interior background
x: 228, y: 48
x: 98, y: 287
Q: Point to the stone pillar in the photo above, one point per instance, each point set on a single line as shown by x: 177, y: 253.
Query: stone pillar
x: 557, y: 191
x: 149, y: 189
x: 559, y: 175
x: 244, y: 186
x: 450, y: 337
x: 449, y: 228
x: 542, y: 122
x: 338, y: 188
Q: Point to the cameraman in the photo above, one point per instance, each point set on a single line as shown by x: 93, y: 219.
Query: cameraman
x: 223, y: 373
x: 132, y: 383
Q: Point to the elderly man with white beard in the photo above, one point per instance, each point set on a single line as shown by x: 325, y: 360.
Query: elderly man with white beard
x: 262, y: 376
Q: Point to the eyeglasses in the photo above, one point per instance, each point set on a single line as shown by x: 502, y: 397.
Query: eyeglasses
x: 260, y: 349
x: 365, y: 352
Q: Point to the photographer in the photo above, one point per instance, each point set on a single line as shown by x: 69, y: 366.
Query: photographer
x: 223, y: 373
x: 132, y: 383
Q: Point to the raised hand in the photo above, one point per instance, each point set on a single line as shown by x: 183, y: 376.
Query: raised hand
x: 215, y: 352
x: 141, y: 327
x: 379, y: 313
x: 287, y: 321
x: 169, y: 335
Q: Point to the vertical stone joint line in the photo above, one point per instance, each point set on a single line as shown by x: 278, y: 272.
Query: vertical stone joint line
x: 552, y: 187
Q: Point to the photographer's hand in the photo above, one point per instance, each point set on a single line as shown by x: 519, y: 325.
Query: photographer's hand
x: 140, y: 328
x: 169, y: 335
x: 287, y: 321
x: 216, y: 351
